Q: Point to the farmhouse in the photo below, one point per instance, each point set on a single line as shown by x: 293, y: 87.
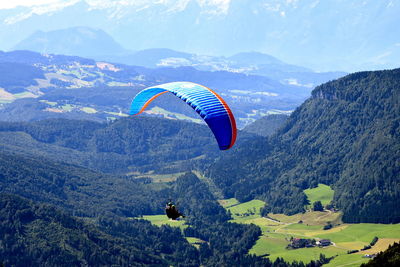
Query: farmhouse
x: 324, y: 242
x: 301, y: 243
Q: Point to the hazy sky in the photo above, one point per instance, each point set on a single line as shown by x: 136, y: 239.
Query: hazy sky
x: 14, y: 3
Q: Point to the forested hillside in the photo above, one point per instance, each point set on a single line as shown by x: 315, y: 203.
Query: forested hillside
x: 41, y: 235
x: 266, y: 125
x: 130, y: 144
x: 346, y: 135
x: 45, y: 235
x: 81, y: 191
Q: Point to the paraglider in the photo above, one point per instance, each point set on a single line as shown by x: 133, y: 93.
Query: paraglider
x: 207, y: 103
x: 172, y: 211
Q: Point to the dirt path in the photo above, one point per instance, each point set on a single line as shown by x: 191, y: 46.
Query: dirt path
x: 276, y: 221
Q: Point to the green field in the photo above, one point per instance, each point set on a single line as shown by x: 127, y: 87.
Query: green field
x: 364, y: 232
x: 195, y: 241
x: 88, y: 110
x: 322, y: 193
x: 160, y: 220
x: 348, y: 260
x: 279, y: 228
x: 226, y: 203
x: 53, y: 104
x: 247, y: 209
x: 158, y: 178
x: 309, y: 218
x: 24, y: 95
x: 67, y: 107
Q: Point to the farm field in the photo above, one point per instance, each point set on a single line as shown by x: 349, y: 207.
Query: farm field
x: 160, y: 220
x: 89, y: 110
x: 251, y: 208
x: 195, y: 241
x: 157, y: 178
x: 348, y: 260
x: 278, y: 229
x: 322, y: 193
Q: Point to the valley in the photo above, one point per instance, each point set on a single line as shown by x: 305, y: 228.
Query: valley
x: 295, y: 187
x: 279, y: 230
x: 277, y: 138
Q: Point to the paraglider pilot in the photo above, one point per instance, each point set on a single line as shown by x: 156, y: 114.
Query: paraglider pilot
x: 172, y: 212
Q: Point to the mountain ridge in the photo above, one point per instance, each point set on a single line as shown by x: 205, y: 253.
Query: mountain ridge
x: 346, y: 136
x: 75, y: 41
x: 275, y: 28
x: 76, y: 87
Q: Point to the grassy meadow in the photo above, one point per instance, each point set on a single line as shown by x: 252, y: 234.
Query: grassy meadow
x: 157, y: 178
x: 160, y: 220
x: 278, y: 229
x: 322, y: 193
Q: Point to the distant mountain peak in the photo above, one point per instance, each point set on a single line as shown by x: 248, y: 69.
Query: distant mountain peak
x: 119, y: 9
x: 40, y: 9
x: 80, y: 41
x: 255, y: 58
x: 322, y: 35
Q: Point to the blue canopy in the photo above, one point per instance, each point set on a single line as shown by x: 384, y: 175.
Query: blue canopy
x: 208, y: 104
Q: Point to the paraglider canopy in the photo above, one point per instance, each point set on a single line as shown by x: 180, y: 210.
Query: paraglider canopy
x: 207, y: 103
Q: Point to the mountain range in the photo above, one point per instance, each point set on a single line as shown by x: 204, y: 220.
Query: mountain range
x: 324, y: 35
x: 36, y: 86
x: 96, y: 44
x: 81, y: 41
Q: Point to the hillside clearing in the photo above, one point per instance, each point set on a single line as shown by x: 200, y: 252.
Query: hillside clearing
x: 322, y: 193
x: 160, y: 220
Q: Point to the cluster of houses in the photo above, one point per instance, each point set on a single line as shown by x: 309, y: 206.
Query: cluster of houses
x: 307, y: 243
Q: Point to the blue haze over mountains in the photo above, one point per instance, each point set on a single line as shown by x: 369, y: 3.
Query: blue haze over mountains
x: 65, y: 86
x: 322, y: 35
x: 97, y: 44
